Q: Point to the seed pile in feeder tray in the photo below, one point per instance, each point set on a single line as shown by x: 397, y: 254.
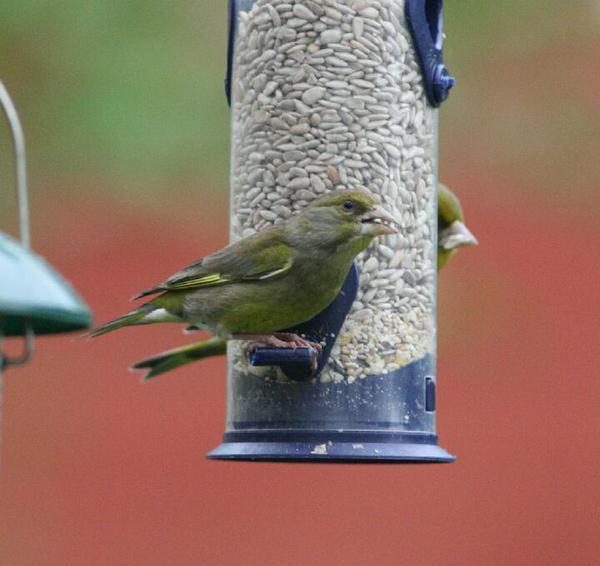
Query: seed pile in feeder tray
x: 326, y: 95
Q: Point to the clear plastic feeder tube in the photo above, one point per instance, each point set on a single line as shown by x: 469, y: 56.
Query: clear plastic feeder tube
x: 325, y: 95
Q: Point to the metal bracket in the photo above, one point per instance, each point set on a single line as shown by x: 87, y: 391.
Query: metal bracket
x: 323, y: 328
x: 21, y: 360
x: 425, y: 21
x: 18, y: 138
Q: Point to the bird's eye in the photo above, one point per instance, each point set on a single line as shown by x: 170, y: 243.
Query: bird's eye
x: 348, y: 205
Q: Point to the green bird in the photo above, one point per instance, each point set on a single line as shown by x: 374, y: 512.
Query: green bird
x: 452, y: 231
x: 452, y: 235
x: 273, y: 280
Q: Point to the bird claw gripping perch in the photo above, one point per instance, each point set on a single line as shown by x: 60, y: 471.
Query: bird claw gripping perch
x: 304, y: 363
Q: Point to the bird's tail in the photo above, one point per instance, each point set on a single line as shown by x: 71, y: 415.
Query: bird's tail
x: 133, y: 317
x: 178, y: 357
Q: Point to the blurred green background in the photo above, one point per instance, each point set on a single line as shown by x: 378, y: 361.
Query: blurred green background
x: 119, y: 100
x: 125, y: 100
x: 127, y: 129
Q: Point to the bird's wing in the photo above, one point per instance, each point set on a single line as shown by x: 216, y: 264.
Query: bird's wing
x: 258, y: 257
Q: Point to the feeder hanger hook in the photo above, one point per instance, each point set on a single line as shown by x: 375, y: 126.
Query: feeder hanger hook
x: 18, y: 140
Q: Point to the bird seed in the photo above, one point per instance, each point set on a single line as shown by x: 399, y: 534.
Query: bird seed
x: 327, y: 94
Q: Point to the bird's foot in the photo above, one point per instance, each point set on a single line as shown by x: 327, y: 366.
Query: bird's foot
x: 277, y: 340
x: 297, y: 341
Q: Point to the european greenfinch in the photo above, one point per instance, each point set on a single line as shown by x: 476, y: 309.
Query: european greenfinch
x: 452, y: 231
x: 452, y: 235
x: 270, y: 281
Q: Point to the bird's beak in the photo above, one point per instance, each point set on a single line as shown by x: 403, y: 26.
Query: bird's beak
x: 457, y: 235
x: 378, y: 222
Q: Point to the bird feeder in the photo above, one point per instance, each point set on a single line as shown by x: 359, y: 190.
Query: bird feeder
x: 34, y: 299
x: 326, y: 95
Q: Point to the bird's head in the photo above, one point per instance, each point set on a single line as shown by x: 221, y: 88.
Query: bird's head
x: 453, y: 234
x: 346, y: 217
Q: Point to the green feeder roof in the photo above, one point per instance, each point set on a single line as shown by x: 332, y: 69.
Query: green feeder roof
x: 32, y: 291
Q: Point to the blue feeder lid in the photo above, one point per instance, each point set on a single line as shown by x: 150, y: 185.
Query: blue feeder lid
x: 32, y: 292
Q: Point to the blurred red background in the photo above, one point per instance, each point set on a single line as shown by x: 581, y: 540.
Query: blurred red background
x: 98, y: 468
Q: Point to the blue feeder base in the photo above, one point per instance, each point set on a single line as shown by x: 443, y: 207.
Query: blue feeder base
x: 332, y: 447
x: 332, y: 423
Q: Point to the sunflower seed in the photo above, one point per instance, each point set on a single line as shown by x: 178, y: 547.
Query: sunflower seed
x: 312, y: 95
x: 331, y: 36
x: 303, y: 12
